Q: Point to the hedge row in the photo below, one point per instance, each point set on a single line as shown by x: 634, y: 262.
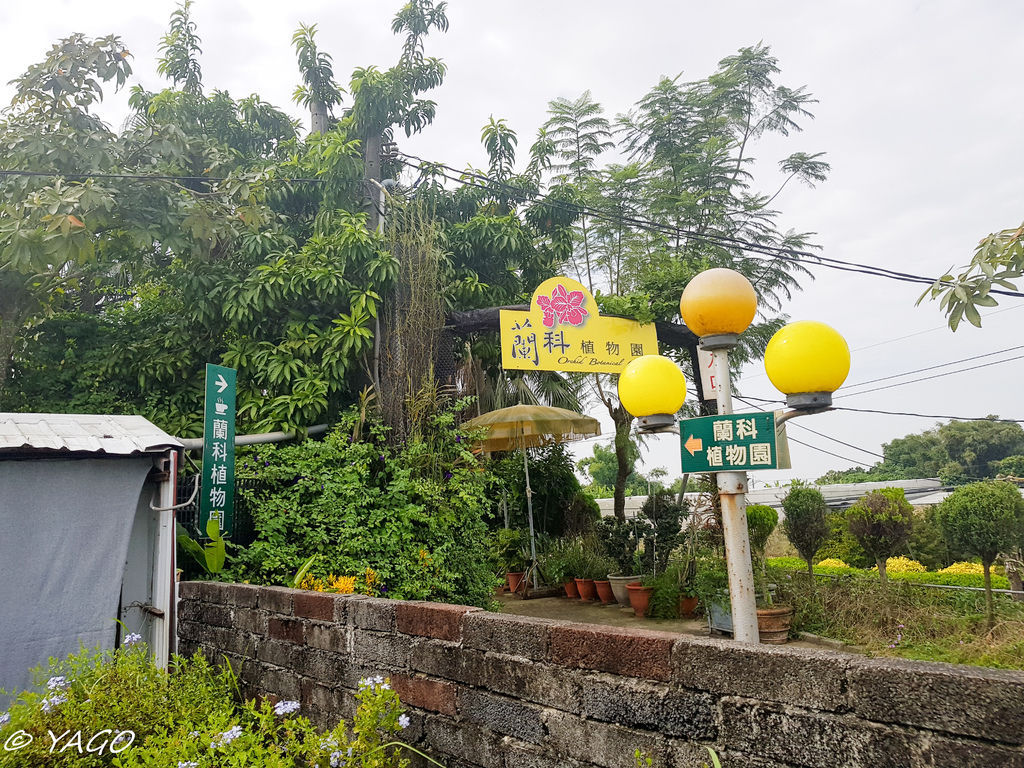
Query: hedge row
x: 928, y: 577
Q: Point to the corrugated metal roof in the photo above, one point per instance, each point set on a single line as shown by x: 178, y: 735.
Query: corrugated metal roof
x: 81, y: 433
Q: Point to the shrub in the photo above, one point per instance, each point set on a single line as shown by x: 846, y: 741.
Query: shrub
x: 831, y: 562
x: 663, y: 513
x: 841, y: 544
x: 804, y: 524
x: 189, y: 718
x: 964, y: 567
x: 984, y: 518
x: 881, y: 522
x: 361, y: 503
x: 903, y: 565
x: 620, y: 541
x: 761, y: 522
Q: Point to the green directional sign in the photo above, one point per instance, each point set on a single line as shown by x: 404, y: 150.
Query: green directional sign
x: 735, y: 443
x: 217, y: 497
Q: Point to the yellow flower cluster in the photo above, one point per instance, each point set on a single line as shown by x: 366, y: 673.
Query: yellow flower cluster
x: 342, y: 585
x: 903, y: 564
x: 833, y: 562
x: 964, y: 567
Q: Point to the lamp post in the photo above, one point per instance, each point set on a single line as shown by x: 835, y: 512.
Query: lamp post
x: 718, y: 305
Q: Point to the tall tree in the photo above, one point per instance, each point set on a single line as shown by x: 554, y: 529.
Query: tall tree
x: 318, y: 91
x: 571, y: 140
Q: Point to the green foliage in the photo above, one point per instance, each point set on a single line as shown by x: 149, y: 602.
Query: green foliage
x: 841, y: 544
x: 973, y: 580
x: 510, y: 550
x: 905, y: 620
x: 761, y: 522
x: 661, y: 518
x: 620, y: 540
x: 711, y: 582
x: 361, y: 503
x: 669, y: 586
x: 187, y: 718
x: 955, y: 452
x: 210, y: 557
x: 805, y: 523
x: 123, y: 690
x: 881, y: 521
x: 998, y: 262
x: 983, y: 518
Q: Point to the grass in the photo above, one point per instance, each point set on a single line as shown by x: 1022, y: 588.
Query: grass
x: 907, y: 621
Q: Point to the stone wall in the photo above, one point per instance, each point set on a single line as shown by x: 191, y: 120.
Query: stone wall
x: 496, y: 691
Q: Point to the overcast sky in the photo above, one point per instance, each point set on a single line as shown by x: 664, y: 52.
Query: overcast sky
x: 920, y: 113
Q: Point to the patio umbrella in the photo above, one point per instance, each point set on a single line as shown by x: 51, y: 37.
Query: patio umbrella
x: 529, y: 426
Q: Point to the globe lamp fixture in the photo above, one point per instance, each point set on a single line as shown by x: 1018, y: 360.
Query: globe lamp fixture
x: 653, y: 389
x: 718, y: 305
x: 807, y: 361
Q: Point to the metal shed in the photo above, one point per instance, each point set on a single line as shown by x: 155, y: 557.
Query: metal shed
x: 86, y: 536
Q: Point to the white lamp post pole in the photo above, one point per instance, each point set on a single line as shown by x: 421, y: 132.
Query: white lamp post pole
x: 732, y: 487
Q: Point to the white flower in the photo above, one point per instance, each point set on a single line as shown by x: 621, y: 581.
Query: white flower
x: 188, y: 764
x: 335, y: 759
x: 286, y: 707
x: 227, y: 737
x: 132, y: 639
x: 193, y: 734
x: 53, y: 701
x: 5, y: 718
x: 58, y: 683
x: 403, y: 720
x: 121, y: 737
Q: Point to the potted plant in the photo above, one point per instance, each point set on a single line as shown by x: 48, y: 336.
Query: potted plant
x: 511, y: 553
x: 619, y: 540
x: 602, y: 565
x: 640, y: 595
x: 773, y: 621
x: 560, y: 564
x: 711, y: 586
x: 587, y: 567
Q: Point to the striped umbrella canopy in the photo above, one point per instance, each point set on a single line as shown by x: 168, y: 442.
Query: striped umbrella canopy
x: 528, y: 426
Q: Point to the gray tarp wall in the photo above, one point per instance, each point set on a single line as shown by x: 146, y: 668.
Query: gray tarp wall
x: 64, y: 530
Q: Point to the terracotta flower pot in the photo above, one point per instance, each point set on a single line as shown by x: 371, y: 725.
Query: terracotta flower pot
x: 639, y: 598
x: 773, y: 624
x: 588, y: 593
x: 604, y: 591
x: 687, y: 605
x: 514, y: 579
x: 570, y: 590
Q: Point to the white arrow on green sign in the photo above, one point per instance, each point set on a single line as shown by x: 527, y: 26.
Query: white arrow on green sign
x: 737, y: 442
x: 217, y: 496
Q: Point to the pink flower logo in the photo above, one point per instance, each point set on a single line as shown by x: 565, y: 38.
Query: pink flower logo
x: 566, y: 306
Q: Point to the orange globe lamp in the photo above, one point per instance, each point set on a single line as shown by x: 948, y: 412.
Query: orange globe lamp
x: 807, y: 361
x: 653, y: 389
x: 718, y: 305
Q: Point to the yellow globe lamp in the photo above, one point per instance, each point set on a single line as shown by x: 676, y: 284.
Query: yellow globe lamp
x: 653, y: 389
x: 807, y: 361
x: 718, y: 303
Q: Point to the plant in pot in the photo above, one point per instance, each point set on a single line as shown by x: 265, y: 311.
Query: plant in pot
x: 510, y: 551
x: 589, y: 565
x: 601, y: 567
x: 560, y: 564
x: 773, y: 621
x: 711, y: 586
x: 640, y: 595
x: 620, y: 541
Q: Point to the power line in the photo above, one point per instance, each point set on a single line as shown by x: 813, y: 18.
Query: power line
x: 926, y: 415
x: 776, y: 252
x: 935, y: 376
x: 933, y: 367
x: 822, y: 450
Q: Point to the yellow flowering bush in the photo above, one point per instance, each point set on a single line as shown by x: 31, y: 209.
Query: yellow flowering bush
x: 965, y: 568
x: 342, y: 585
x: 903, y: 564
x: 832, y: 562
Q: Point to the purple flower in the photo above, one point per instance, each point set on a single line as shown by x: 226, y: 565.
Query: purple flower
x: 458, y: 438
x: 286, y: 707
x: 382, y: 457
x: 403, y: 720
x: 447, y: 475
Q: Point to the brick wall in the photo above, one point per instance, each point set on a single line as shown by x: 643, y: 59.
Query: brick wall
x: 496, y: 691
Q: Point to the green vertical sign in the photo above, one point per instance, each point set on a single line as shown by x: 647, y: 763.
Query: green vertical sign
x: 217, y: 497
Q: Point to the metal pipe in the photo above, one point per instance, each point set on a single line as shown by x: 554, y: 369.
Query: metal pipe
x: 732, y: 488
x: 196, y: 443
